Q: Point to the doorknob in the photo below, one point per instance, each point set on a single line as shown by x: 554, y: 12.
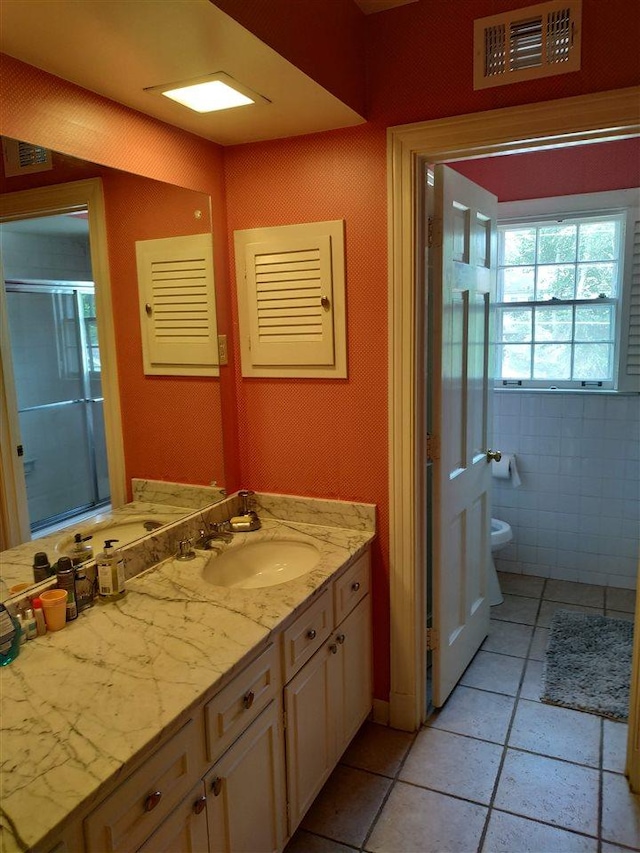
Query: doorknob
x: 494, y: 456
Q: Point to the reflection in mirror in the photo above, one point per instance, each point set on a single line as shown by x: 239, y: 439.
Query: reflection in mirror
x: 171, y: 425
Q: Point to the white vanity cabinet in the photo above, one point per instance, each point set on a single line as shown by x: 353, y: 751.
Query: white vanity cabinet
x: 246, y: 796
x: 330, y: 696
x: 240, y: 774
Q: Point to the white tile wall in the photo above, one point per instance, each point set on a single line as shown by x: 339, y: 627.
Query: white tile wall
x: 27, y: 255
x: 576, y: 515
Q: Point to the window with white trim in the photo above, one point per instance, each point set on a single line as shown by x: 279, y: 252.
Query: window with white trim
x: 563, y: 299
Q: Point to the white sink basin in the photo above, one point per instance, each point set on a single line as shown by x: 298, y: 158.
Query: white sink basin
x: 125, y: 530
x: 259, y: 564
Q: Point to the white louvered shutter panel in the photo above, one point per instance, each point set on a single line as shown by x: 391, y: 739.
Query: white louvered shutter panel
x: 522, y: 44
x: 630, y: 366
x: 177, y: 306
x: 291, y: 300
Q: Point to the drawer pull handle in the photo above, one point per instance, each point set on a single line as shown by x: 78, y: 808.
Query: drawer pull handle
x: 333, y: 649
x: 247, y: 700
x: 355, y: 586
x: 199, y: 805
x: 341, y: 638
x: 216, y: 786
x: 152, y: 801
x: 311, y: 635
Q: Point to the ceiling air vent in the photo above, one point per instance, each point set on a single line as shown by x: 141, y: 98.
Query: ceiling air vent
x: 21, y: 158
x: 523, y: 44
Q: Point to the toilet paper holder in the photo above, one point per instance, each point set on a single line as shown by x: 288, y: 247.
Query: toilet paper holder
x: 494, y: 455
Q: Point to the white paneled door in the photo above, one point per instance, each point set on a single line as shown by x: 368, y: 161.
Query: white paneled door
x: 464, y: 272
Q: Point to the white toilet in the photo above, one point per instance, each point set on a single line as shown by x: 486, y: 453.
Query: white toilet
x: 501, y: 535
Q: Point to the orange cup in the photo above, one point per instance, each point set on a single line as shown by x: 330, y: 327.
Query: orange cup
x: 54, y: 605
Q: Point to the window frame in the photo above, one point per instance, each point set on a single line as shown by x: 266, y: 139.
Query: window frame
x: 621, y: 204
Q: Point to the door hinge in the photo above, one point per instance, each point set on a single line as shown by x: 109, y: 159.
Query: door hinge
x: 434, y: 232
x: 433, y: 448
x: 433, y: 640
x: 20, y: 450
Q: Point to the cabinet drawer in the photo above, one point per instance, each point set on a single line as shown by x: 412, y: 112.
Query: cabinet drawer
x: 231, y: 710
x: 128, y: 816
x: 306, y: 634
x: 351, y: 588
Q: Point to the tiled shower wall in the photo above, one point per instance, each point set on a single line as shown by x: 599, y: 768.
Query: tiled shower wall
x: 576, y: 515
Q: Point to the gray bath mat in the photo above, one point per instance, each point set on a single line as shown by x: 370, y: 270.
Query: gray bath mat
x: 588, y: 664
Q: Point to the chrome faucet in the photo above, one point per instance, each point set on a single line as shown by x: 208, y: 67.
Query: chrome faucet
x: 185, y: 551
x: 217, y: 531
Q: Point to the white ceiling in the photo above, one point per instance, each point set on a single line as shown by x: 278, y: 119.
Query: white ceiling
x: 118, y: 48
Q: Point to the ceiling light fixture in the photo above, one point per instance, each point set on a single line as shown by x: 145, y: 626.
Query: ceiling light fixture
x: 209, y: 93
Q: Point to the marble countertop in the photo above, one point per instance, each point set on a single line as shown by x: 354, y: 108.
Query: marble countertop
x: 80, y: 704
x: 16, y: 563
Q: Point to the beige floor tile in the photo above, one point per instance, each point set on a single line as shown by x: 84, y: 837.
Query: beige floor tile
x: 532, y: 681
x: 507, y: 834
x: 415, y: 819
x: 620, y: 811
x: 556, y: 732
x: 516, y: 608
x: 539, y: 644
x: 508, y: 638
x: 514, y: 584
x: 574, y: 593
x: 556, y: 792
x: 490, y: 671
x: 347, y: 805
x: 305, y: 842
x: 549, y: 608
x: 453, y: 764
x: 614, y: 746
x: 378, y: 749
x: 621, y: 599
x: 475, y: 713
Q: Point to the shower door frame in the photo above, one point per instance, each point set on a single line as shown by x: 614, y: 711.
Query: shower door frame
x: 43, y: 201
x: 74, y: 289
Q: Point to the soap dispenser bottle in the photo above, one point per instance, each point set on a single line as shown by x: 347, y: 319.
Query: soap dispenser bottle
x: 110, y: 572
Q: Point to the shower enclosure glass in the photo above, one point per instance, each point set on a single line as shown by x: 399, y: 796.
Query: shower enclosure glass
x: 57, y: 375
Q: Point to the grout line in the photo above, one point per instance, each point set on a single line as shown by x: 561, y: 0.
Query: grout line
x: 505, y: 747
x: 391, y: 787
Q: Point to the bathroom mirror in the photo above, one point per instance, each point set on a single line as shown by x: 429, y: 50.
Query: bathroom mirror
x: 171, y: 425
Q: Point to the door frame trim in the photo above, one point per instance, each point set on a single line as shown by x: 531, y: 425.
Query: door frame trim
x: 59, y: 198
x: 599, y: 117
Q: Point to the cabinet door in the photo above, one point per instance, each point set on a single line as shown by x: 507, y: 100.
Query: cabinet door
x: 185, y: 830
x: 246, y: 799
x: 310, y: 731
x: 354, y: 663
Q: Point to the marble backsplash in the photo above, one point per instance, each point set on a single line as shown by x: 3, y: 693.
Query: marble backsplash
x: 176, y: 494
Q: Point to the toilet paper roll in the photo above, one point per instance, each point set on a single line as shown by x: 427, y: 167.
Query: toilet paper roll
x: 506, y: 469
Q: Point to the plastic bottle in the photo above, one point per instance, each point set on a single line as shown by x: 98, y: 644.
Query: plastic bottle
x: 23, y: 629
x: 82, y: 551
x: 110, y: 572
x: 66, y: 576
x: 38, y: 613
x: 84, y: 590
x: 29, y: 622
x: 9, y: 636
x: 41, y: 567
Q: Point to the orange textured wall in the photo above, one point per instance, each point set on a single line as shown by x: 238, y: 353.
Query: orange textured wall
x: 40, y: 108
x: 323, y: 39
x: 420, y: 59
x: 172, y: 425
x: 561, y: 171
x: 324, y: 438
